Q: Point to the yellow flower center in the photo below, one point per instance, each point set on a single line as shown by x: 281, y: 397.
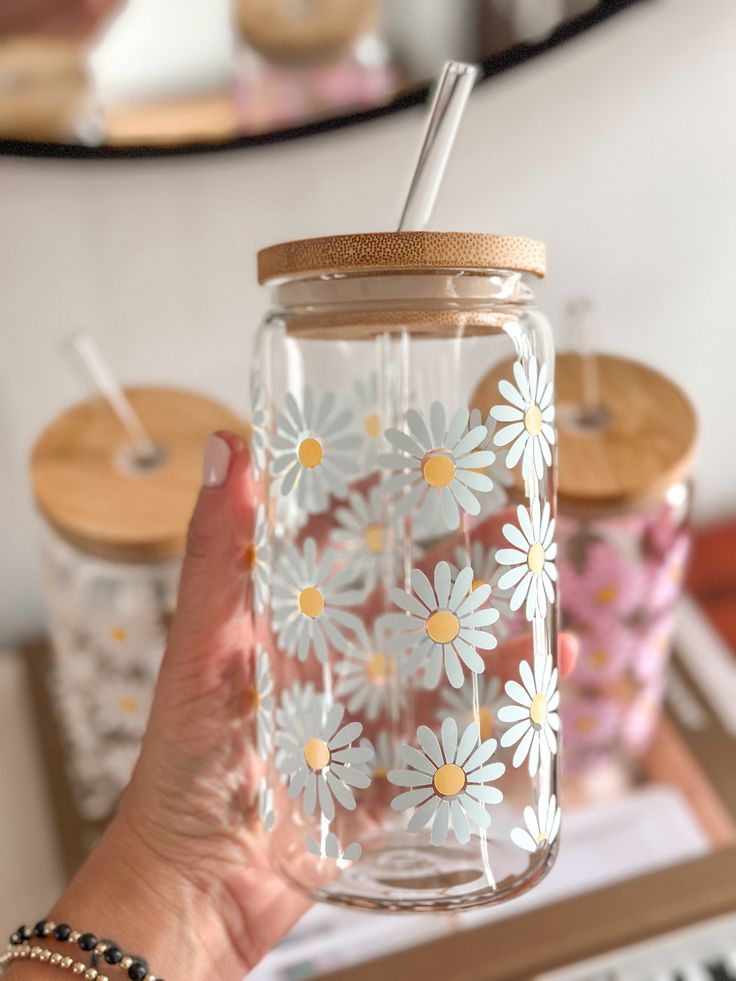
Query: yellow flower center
x: 380, y: 773
x: 129, y: 705
x: 311, y: 602
x: 606, y: 595
x: 585, y: 724
x: 373, y: 538
x: 443, y: 627
x: 598, y: 658
x: 438, y: 470
x: 541, y: 837
x: 251, y: 555
x: 310, y: 453
x: 533, y: 420
x: 449, y: 780
x: 535, y: 558
x: 378, y: 667
x: 317, y: 754
x: 119, y: 634
x: 372, y: 425
x: 538, y: 710
x: 477, y: 583
x: 485, y: 723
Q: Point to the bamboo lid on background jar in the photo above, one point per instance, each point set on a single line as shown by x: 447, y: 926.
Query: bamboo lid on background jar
x: 631, y: 446
x: 91, y: 490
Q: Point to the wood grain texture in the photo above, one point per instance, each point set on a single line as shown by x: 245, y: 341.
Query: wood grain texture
x: 381, y: 251
x: 82, y: 487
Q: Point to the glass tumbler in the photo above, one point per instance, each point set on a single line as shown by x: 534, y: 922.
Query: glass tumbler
x: 403, y: 580
x: 623, y: 531
x: 113, y: 532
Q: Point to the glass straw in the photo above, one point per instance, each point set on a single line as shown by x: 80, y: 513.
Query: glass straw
x: 84, y: 351
x: 579, y: 311
x: 451, y: 96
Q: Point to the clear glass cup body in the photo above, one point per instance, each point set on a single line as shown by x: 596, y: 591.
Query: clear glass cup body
x: 108, y: 622
x: 621, y: 574
x: 404, y: 589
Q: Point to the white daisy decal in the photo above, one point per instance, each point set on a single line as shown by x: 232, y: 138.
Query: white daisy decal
x: 533, y: 571
x: 448, y: 781
x: 533, y: 718
x: 529, y: 419
x: 313, y: 451
x: 497, y: 471
x: 367, y: 677
x: 333, y: 849
x: 316, y: 753
x: 486, y: 571
x: 542, y: 825
x: 309, y: 601
x: 443, y: 625
x: 384, y: 755
x: 263, y: 701
x: 259, y: 560
x: 438, y: 465
x: 463, y: 707
x: 362, y: 536
x: 265, y: 805
x: 258, y: 425
x: 368, y: 419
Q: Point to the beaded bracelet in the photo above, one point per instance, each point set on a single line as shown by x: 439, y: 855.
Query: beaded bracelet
x: 134, y: 967
x: 43, y: 954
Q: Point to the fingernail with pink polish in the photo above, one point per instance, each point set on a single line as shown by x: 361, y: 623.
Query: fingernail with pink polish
x: 216, y: 462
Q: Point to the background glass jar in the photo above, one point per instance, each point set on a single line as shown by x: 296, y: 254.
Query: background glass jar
x: 623, y: 539
x: 403, y: 587
x: 115, y: 528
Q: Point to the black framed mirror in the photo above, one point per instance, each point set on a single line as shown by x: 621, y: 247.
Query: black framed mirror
x: 132, y: 78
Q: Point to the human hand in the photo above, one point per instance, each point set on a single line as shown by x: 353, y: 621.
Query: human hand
x: 181, y: 874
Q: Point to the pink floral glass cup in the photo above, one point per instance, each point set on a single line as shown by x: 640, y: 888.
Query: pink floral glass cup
x: 623, y: 545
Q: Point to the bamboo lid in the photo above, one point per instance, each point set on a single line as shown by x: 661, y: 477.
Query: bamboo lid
x: 392, y: 251
x: 639, y: 442
x: 85, y: 486
x: 283, y: 31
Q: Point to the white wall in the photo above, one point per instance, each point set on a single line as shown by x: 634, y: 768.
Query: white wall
x: 619, y: 150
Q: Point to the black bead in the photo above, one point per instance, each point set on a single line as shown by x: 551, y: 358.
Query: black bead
x: 137, y: 971
x: 40, y: 928
x: 113, y: 955
x: 24, y: 933
x: 88, y: 941
x: 62, y: 932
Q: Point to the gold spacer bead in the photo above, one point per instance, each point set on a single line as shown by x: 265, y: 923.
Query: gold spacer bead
x: 125, y: 963
x: 35, y: 951
x: 45, y: 955
x: 66, y: 962
x: 74, y: 936
x: 55, y: 958
x: 49, y: 928
x: 102, y: 977
x: 91, y: 974
x: 79, y: 968
x: 100, y: 948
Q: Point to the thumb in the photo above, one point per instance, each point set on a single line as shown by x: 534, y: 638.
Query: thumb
x: 211, y: 617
